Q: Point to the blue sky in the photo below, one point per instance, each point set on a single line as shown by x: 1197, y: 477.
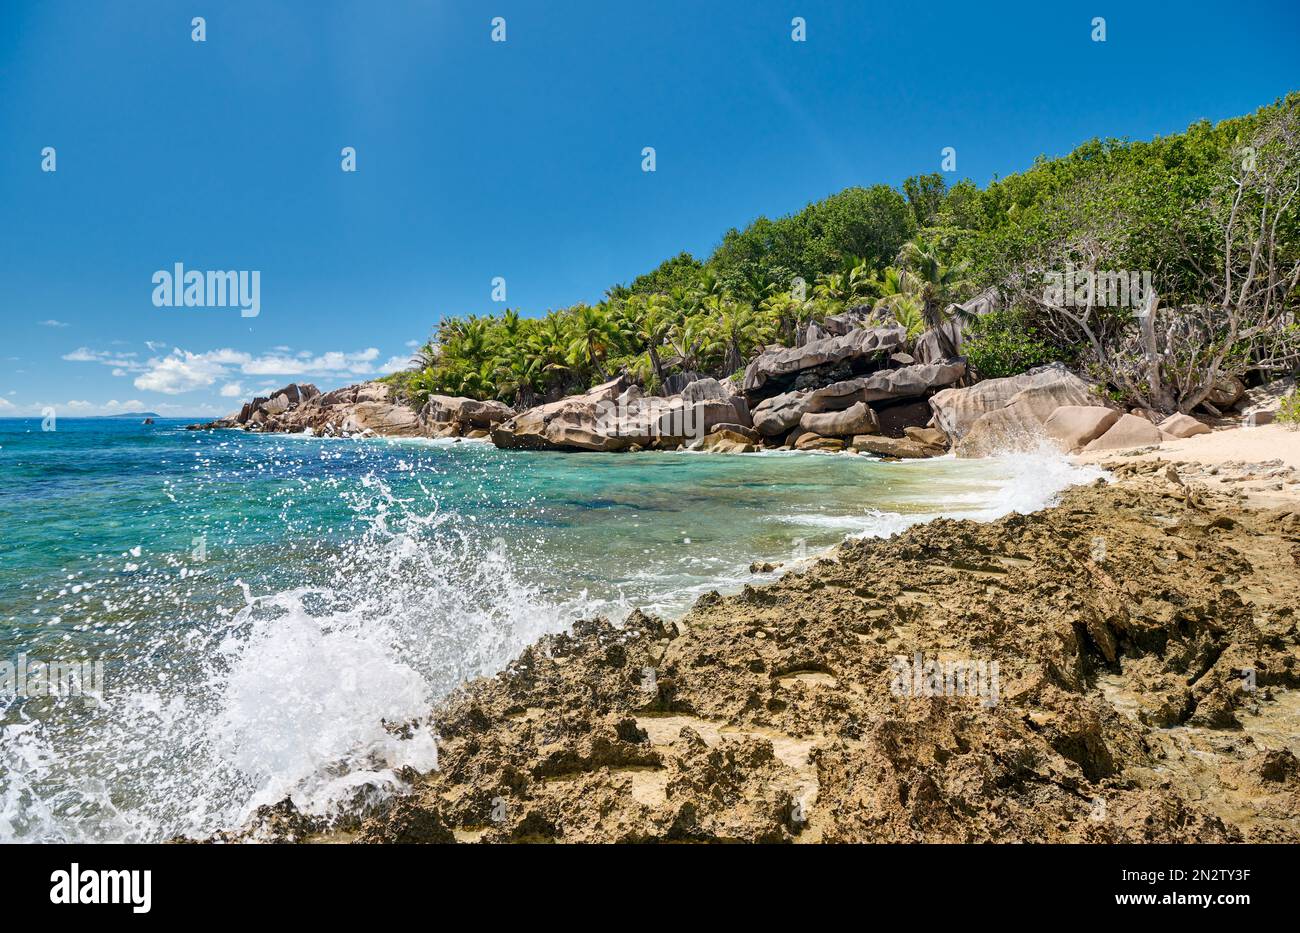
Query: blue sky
x: 519, y: 159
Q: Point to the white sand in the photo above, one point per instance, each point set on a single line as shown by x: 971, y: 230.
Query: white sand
x: 1251, y: 445
x: 1236, y: 456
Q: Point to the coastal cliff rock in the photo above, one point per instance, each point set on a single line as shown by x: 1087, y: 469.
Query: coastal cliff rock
x: 570, y: 423
x: 615, y: 416
x: 367, y: 408
x: 381, y: 418
x: 957, y: 410
x: 1074, y: 426
x: 856, y: 420
x: 857, y: 699
x: 775, y: 370
x: 450, y: 416
x: 780, y: 413
x: 1004, y: 415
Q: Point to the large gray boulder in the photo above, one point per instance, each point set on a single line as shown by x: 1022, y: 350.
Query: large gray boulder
x: 613, y: 417
x: 859, y: 419
x: 1019, y: 424
x: 957, y: 410
x: 1128, y: 431
x: 692, y: 421
x: 887, y: 385
x: 774, y: 369
x: 779, y: 414
x: 382, y: 418
x: 577, y: 422
x: 706, y: 388
x: 1073, y: 427
x: 462, y: 414
x: 937, y: 345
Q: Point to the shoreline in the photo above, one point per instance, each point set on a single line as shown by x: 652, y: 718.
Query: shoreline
x: 1147, y: 689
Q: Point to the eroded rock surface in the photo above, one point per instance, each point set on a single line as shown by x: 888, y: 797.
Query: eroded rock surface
x: 1148, y: 690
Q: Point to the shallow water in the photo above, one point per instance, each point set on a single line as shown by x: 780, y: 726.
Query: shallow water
x: 263, y: 603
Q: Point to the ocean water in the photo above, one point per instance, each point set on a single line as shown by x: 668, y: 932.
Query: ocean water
x: 268, y: 608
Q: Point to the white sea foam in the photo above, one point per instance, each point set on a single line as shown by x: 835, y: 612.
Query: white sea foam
x: 321, y: 693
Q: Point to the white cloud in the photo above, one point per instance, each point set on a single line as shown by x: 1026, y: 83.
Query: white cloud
x: 121, y: 361
x: 395, y: 363
x: 179, y: 372
x: 53, y: 323
x: 5, y: 404
x: 183, y: 371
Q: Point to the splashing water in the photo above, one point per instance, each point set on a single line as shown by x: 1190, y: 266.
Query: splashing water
x: 278, y: 615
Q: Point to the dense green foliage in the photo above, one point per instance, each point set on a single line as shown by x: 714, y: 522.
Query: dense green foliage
x: 1005, y: 343
x: 906, y: 254
x: 1289, y: 412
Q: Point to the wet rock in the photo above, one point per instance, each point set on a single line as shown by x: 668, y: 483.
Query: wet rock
x: 899, y: 448
x: 927, y: 437
x: 1020, y: 423
x: 442, y: 414
x: 727, y: 442
x: 776, y: 714
x: 811, y: 441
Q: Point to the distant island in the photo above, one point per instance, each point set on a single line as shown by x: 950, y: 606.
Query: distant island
x: 132, y: 414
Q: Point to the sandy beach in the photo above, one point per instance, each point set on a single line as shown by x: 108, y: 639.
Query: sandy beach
x: 1258, y: 465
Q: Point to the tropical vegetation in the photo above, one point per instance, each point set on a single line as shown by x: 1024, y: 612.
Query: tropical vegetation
x: 1211, y: 214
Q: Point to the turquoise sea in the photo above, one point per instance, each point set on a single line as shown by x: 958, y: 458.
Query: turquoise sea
x: 263, y: 604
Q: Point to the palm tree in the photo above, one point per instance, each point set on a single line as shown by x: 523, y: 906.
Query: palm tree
x: 935, y: 285
x: 652, y: 331
x: 687, y: 337
x: 898, y: 299
x: 593, y: 335
x: 426, y: 356
x: 735, y: 330
x: 782, y: 310
x: 548, y: 351
x: 846, y: 288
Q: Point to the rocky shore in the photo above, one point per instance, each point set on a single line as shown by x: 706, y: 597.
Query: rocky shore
x: 1124, y: 667
x: 857, y: 390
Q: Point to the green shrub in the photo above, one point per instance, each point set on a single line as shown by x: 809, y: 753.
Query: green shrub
x: 1289, y: 413
x: 1004, y: 343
